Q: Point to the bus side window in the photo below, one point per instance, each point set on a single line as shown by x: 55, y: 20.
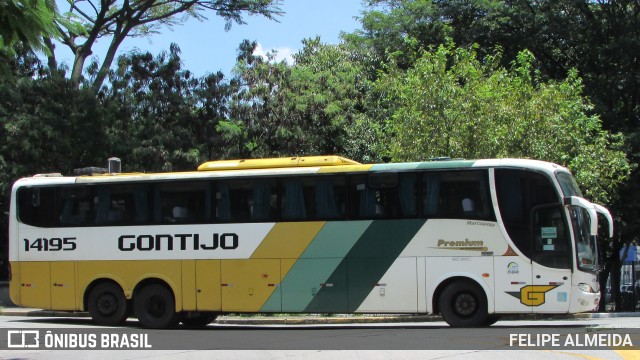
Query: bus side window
x: 36, y: 206
x: 329, y: 197
x: 386, y: 195
x: 457, y: 195
x: 182, y: 203
x: 296, y: 199
x: 121, y: 205
x: 75, y: 206
x: 246, y: 200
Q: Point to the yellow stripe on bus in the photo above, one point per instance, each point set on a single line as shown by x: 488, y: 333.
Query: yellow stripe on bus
x: 248, y: 284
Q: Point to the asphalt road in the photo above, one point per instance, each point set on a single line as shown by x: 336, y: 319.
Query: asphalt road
x: 432, y: 340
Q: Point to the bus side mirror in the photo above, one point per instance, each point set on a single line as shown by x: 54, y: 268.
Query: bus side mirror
x: 583, y: 203
x: 605, y: 212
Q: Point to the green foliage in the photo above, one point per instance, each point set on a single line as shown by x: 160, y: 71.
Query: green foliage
x: 23, y: 25
x: 601, y: 39
x: 46, y: 125
x: 298, y: 109
x: 452, y: 104
x: 167, y: 120
x: 27, y: 22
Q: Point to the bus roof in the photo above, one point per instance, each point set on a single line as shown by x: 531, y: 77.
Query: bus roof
x: 292, y: 166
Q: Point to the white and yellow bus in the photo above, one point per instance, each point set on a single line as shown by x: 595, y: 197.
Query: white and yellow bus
x: 470, y: 240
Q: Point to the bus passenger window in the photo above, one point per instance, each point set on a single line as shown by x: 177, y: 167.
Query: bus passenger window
x: 75, y: 207
x: 329, y: 198
x: 457, y: 195
x: 295, y: 199
x: 246, y: 200
x: 179, y: 203
x: 121, y: 205
x: 35, y: 206
x: 384, y: 196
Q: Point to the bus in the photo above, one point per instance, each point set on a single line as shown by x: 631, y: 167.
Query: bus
x: 468, y: 239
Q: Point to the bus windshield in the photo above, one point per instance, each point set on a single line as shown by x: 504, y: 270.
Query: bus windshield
x: 568, y: 184
x: 586, y: 246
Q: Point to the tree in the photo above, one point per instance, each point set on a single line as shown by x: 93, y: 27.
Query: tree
x: 601, y: 39
x: 46, y: 126
x: 299, y: 109
x: 165, y: 118
x: 452, y: 104
x: 27, y: 23
x: 118, y: 20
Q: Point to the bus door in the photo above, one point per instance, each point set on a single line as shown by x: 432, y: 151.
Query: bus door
x: 551, y: 261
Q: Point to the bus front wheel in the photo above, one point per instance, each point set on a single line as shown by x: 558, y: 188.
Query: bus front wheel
x: 107, y: 304
x: 464, y: 304
x: 155, y: 307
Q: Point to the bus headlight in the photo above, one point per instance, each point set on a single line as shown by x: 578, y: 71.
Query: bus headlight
x: 585, y: 287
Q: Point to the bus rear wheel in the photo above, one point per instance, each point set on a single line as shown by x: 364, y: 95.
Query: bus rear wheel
x: 464, y: 304
x: 155, y: 307
x: 107, y: 304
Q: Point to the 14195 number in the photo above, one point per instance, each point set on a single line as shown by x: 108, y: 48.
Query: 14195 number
x: 53, y: 244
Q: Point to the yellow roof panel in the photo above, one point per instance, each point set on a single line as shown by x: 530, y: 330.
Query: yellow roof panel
x: 330, y: 160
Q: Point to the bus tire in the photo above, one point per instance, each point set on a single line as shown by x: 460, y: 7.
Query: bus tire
x: 464, y: 304
x: 155, y: 307
x: 201, y: 320
x: 107, y: 304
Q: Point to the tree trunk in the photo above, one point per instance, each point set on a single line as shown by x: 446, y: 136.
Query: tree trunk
x: 108, y: 60
x: 78, y: 66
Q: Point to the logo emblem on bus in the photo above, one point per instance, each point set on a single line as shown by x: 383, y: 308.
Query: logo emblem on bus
x: 513, y: 268
x: 532, y: 295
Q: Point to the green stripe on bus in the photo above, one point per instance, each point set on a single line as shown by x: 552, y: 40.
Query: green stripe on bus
x: 364, y: 265
x: 319, y: 260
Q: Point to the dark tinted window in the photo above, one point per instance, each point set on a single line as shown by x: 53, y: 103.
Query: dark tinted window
x: 246, y: 200
x: 179, y: 202
x: 317, y: 198
x: 383, y: 195
x: 519, y: 191
x: 120, y: 204
x: 551, y: 237
x: 457, y: 195
x: 35, y: 206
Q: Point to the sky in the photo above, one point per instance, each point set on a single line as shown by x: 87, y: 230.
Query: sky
x: 207, y: 48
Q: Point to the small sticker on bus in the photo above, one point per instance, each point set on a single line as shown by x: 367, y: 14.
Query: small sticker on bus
x: 549, y: 232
